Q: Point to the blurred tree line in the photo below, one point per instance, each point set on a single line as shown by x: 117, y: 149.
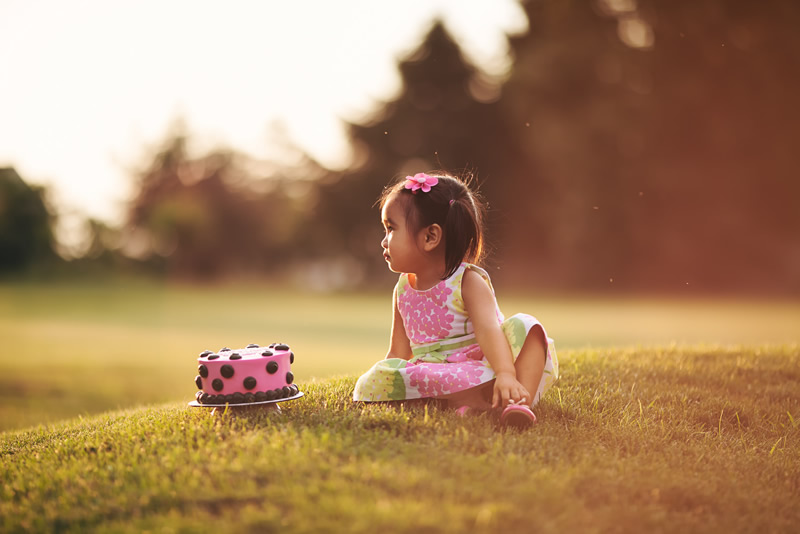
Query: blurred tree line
x: 633, y: 146
x: 26, y: 236
x: 219, y: 214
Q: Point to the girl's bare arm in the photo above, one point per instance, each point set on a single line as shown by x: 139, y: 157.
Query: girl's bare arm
x: 399, y: 345
x: 480, y: 304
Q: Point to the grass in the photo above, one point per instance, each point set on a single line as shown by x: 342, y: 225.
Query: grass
x: 73, y: 350
x: 637, y: 440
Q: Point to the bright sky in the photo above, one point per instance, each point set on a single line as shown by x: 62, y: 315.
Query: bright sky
x: 89, y: 87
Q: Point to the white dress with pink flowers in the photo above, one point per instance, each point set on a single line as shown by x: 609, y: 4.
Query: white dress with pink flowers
x: 446, y: 358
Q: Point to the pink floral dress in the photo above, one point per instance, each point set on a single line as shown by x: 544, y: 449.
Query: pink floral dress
x: 446, y: 358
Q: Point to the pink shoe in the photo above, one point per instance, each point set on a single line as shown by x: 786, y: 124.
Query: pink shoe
x: 517, y: 416
x: 464, y: 411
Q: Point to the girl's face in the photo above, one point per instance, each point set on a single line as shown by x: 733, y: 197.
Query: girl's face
x: 401, y: 248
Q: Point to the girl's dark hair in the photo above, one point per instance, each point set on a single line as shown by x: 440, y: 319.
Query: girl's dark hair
x: 452, y: 205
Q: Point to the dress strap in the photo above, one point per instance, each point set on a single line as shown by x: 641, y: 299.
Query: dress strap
x: 402, y: 281
x: 482, y: 272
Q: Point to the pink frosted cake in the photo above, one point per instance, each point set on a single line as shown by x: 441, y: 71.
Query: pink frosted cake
x: 241, y: 376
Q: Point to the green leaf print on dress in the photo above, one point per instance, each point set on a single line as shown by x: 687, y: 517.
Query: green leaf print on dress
x: 384, y: 381
x: 516, y: 331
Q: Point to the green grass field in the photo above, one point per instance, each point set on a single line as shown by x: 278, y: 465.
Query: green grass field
x: 670, y: 416
x: 676, y: 440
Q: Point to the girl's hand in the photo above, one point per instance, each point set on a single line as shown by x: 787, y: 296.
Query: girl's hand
x: 507, y: 390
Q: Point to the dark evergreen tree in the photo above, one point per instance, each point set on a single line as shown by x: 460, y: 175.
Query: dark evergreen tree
x: 575, y: 123
x: 721, y: 159
x: 440, y: 120
x: 658, y: 143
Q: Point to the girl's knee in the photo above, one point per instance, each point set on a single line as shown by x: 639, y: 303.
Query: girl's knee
x: 536, y: 337
x: 534, y: 350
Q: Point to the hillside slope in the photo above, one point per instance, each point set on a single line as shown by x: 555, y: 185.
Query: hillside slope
x: 640, y: 440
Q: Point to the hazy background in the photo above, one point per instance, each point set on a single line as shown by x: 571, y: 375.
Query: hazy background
x: 623, y: 145
x: 93, y: 88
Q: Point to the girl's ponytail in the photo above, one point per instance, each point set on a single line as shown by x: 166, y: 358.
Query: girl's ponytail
x: 463, y: 232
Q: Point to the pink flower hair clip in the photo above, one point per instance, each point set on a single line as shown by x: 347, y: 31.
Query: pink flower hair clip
x: 421, y: 181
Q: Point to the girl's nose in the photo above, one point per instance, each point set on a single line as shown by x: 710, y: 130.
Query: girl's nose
x: 385, y: 241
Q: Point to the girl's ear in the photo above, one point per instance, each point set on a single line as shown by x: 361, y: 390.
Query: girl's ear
x: 431, y: 237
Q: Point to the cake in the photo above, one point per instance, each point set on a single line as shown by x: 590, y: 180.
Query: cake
x: 242, y: 376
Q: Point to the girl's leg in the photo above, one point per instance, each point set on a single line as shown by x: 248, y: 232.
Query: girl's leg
x: 473, y: 397
x: 530, y: 362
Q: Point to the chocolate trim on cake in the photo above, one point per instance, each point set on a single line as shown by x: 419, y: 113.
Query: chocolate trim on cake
x: 272, y: 367
x: 244, y: 398
x: 203, y: 370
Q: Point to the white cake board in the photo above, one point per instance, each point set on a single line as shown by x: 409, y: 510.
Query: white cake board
x: 196, y: 404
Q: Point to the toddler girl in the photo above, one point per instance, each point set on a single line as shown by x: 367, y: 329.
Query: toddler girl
x: 449, y: 339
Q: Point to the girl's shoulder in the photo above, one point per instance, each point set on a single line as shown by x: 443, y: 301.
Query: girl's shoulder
x: 469, y: 267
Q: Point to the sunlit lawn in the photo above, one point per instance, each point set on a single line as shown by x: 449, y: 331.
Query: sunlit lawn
x: 641, y: 440
x: 82, y: 349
